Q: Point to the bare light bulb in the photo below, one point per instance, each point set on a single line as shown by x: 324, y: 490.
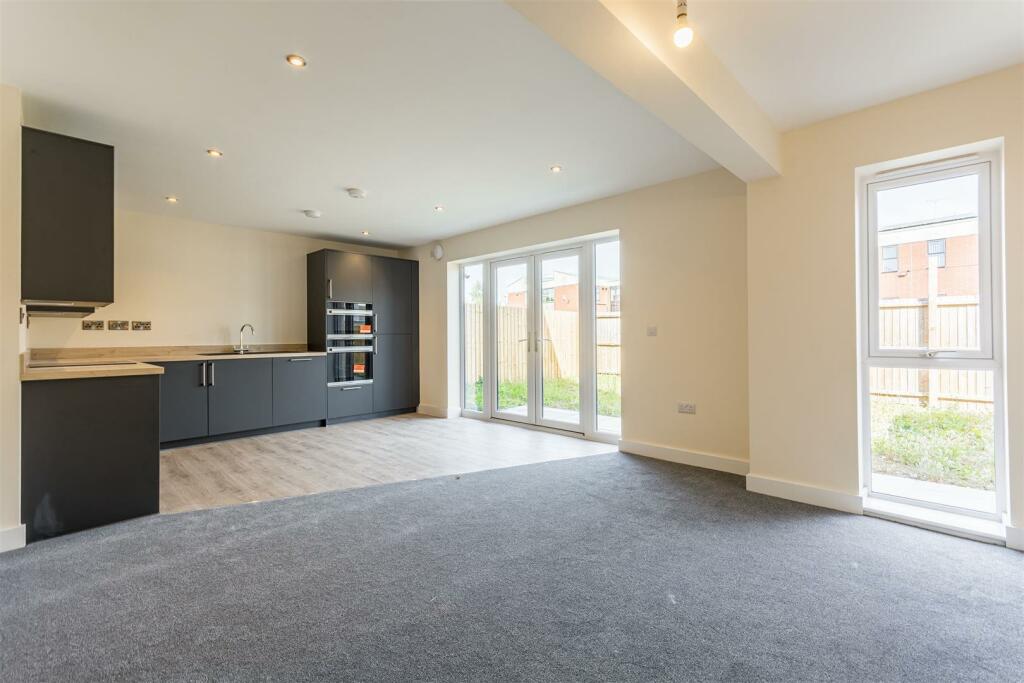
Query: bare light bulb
x: 683, y: 35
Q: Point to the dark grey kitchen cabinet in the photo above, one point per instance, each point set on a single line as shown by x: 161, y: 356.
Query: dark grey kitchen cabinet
x: 348, y: 277
x: 349, y: 401
x: 183, y: 401
x: 299, y: 390
x: 241, y: 395
x: 67, y: 219
x: 396, y: 373
x: 395, y: 295
x: 228, y: 395
x: 90, y: 452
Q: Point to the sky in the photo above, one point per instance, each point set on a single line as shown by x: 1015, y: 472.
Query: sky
x: 928, y: 202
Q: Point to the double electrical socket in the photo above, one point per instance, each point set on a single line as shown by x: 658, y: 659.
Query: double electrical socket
x: 687, y: 408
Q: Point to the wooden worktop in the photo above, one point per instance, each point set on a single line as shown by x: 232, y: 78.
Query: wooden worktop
x: 84, y: 369
x: 82, y: 363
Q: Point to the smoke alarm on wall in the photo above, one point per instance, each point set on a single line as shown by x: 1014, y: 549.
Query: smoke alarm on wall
x: 356, y: 193
x: 312, y: 213
x: 437, y: 252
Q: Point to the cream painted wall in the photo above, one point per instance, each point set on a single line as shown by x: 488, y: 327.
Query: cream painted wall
x: 683, y: 269
x: 12, y: 334
x: 802, y: 275
x: 198, y: 283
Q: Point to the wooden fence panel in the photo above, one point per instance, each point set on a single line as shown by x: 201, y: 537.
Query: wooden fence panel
x: 905, y: 326
x: 561, y: 355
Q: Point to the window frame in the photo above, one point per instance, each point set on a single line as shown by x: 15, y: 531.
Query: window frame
x: 885, y: 258
x: 991, y: 313
x: 989, y: 259
x: 942, y: 253
x: 466, y: 411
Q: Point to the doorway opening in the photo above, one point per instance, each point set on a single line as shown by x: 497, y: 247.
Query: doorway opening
x: 540, y: 339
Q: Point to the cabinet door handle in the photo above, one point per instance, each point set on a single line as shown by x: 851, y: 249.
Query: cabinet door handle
x: 213, y: 376
x: 330, y: 288
x: 202, y: 381
x: 351, y: 388
x: 298, y: 360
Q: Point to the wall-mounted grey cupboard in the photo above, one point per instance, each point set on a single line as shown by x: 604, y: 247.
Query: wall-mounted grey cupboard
x: 201, y: 399
x: 67, y: 222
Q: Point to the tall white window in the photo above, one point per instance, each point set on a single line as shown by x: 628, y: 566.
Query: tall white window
x: 932, y: 386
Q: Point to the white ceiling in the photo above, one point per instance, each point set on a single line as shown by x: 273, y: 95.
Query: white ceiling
x: 460, y: 104
x: 805, y: 61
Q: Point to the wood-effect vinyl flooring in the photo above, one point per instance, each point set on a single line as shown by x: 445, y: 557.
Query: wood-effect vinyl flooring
x: 350, y: 455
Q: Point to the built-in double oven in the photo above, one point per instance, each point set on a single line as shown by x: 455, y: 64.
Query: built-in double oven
x: 351, y: 343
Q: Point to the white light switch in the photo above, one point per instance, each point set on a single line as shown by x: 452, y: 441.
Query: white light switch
x: 652, y: 330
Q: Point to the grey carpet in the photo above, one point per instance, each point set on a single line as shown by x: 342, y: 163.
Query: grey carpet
x: 608, y: 567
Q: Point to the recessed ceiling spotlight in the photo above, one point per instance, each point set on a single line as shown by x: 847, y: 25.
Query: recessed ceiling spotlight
x: 555, y: 168
x: 298, y: 61
x: 215, y: 153
x: 438, y: 208
x: 366, y: 233
x: 356, y: 193
x: 313, y: 213
x: 171, y: 199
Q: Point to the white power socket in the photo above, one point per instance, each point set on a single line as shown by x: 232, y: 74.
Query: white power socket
x: 688, y: 408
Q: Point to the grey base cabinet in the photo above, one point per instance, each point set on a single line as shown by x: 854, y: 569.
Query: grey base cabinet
x: 200, y: 399
x: 241, y: 395
x: 299, y: 390
x: 90, y: 453
x: 183, y: 401
x: 349, y: 401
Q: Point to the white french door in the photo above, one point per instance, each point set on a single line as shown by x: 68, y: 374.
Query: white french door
x: 537, y: 330
x: 560, y: 379
x: 528, y: 333
x: 512, y: 357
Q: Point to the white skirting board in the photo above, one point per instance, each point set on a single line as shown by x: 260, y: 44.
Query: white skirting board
x: 710, y: 461
x: 804, y: 493
x: 434, y: 411
x: 12, y: 538
x: 1015, y: 537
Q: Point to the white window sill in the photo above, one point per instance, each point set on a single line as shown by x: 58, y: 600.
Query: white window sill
x: 974, y: 528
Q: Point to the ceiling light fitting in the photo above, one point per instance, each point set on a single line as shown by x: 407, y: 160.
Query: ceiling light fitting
x: 556, y: 168
x: 684, y: 34
x: 171, y: 199
x: 298, y: 61
x: 366, y: 233
x: 438, y: 208
x: 215, y: 153
x: 312, y: 213
x: 356, y: 193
